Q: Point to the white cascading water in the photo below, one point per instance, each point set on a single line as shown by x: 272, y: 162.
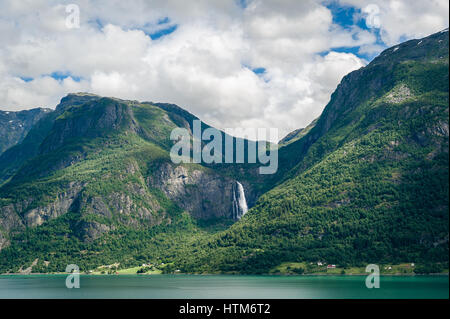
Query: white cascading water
x: 239, y: 204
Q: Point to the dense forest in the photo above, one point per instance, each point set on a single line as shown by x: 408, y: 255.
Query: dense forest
x: 367, y: 182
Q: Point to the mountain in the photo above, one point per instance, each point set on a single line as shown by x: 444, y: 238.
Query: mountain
x: 99, y: 168
x: 367, y: 184
x: 296, y: 135
x: 93, y: 183
x: 14, y: 126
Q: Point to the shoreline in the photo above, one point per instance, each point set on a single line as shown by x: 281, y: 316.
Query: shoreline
x: 261, y: 275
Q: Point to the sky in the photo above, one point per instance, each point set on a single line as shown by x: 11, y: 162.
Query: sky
x: 233, y: 63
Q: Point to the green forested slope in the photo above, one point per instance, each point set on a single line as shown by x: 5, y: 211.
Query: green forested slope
x: 85, y: 187
x: 92, y: 183
x: 371, y: 184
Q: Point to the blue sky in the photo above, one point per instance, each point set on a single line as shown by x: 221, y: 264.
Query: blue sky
x: 349, y: 17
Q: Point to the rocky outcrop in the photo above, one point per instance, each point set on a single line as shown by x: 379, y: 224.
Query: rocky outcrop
x: 4, y: 242
x: 17, y: 216
x: 399, y: 94
x: 201, y: 192
x: 92, y: 119
x: 75, y: 99
x: 14, y: 126
x: 135, y: 214
x: 133, y: 207
x: 60, y: 206
x: 10, y: 222
x: 90, y: 231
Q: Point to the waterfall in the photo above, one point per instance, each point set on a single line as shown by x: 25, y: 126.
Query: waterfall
x: 239, y: 204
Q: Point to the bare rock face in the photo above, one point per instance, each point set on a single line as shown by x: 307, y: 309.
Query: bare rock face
x: 133, y: 214
x: 16, y: 217
x: 4, y: 242
x: 135, y: 208
x: 90, y: 231
x: 399, y: 94
x: 96, y: 205
x: 14, y: 126
x: 125, y: 208
x: 38, y: 216
x: 204, y: 194
x: 10, y: 222
x: 9, y: 219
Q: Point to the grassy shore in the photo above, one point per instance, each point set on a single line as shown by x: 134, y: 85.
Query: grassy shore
x: 293, y: 268
x: 287, y: 268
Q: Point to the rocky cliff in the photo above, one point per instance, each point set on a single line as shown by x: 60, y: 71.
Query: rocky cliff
x: 93, y: 183
x: 106, y: 162
x: 14, y: 126
x: 200, y: 191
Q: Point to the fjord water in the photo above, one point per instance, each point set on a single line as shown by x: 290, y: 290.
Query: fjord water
x: 219, y: 286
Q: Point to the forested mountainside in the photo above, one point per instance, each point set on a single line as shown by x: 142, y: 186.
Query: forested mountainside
x: 92, y: 183
x: 370, y: 179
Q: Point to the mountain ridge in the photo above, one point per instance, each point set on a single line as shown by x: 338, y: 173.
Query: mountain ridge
x: 14, y: 126
x: 377, y: 155
x: 366, y: 182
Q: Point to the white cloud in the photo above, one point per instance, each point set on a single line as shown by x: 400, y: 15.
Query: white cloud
x: 41, y: 92
x: 405, y: 19
x: 203, y: 66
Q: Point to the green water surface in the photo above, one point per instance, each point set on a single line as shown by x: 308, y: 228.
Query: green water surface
x: 221, y: 286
